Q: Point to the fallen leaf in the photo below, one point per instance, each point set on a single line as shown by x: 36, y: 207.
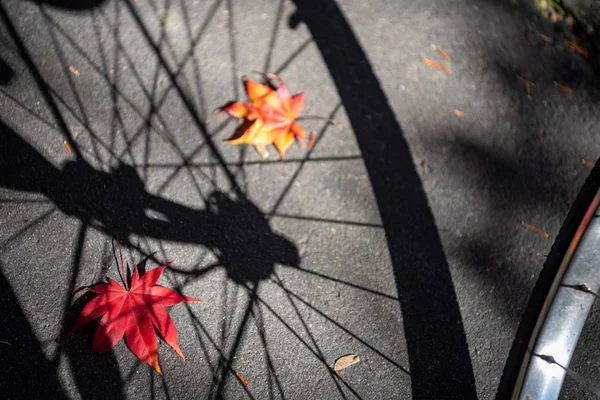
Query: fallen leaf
x: 311, y: 140
x: 579, y: 50
x: 270, y: 118
x: 536, y: 230
x: 344, y: 362
x: 587, y: 163
x: 67, y: 146
x: 458, y: 113
x: 244, y: 380
x: 440, y: 52
x: 133, y: 312
x: 525, y: 81
x: 435, y: 65
x: 73, y: 70
x: 544, y: 37
x: 564, y: 88
x: 528, y: 85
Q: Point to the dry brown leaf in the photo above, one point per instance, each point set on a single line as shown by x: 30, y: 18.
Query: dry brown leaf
x: 577, y: 49
x: 528, y: 90
x: 244, y: 380
x: 458, y: 113
x: 67, y: 146
x: 344, y: 362
x: 536, y: 230
x: 311, y: 140
x: 73, y: 70
x: 587, y: 163
x: 440, y: 52
x: 564, y: 88
x: 544, y: 37
x: 435, y: 65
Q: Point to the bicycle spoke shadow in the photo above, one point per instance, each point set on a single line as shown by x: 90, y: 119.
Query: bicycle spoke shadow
x: 76, y: 5
x: 117, y: 203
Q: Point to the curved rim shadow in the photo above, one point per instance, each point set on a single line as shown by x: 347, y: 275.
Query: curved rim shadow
x: 440, y: 365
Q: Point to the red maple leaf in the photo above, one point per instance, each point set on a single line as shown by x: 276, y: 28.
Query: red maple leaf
x: 270, y: 118
x: 133, y: 312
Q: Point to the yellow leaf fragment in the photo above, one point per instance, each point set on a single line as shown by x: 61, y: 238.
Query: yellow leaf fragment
x: 244, y: 380
x: 344, y: 362
x: 536, y: 230
x: 458, y: 113
x: 435, y: 65
x: 587, y: 163
x: 73, y: 70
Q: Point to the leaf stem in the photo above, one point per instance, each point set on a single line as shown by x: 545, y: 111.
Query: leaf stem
x: 123, y: 278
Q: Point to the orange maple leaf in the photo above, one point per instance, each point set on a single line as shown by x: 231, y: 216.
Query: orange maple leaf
x: 270, y: 118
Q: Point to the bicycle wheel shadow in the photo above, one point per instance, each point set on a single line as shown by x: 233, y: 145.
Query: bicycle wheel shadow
x: 117, y: 203
x: 440, y: 365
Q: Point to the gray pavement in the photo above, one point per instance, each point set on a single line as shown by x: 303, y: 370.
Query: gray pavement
x: 397, y: 238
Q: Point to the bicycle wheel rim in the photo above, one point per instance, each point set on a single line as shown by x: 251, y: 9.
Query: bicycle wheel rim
x: 542, y: 325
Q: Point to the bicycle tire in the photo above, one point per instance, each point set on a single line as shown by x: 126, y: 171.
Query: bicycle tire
x: 549, y: 281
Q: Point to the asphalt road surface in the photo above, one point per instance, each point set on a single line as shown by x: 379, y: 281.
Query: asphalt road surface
x: 398, y: 237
